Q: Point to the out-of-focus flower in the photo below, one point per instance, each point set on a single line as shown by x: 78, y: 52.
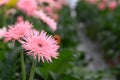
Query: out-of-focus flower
x: 49, y: 21
x: 58, y: 4
x: 17, y: 31
x: 27, y: 6
x: 10, y: 12
x: 112, y: 5
x: 40, y: 46
x: 11, y: 3
x: 20, y: 19
x: 2, y: 32
x: 50, y: 12
x: 2, y: 2
x: 101, y: 6
x: 54, y: 4
x: 63, y: 2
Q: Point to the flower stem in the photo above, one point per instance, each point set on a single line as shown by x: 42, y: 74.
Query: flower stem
x: 4, y: 16
x: 23, y: 66
x: 32, y: 70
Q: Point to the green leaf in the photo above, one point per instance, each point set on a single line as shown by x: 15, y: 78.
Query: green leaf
x: 59, y: 65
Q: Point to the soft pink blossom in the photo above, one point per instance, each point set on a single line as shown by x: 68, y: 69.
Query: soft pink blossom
x: 2, y: 32
x: 17, y: 31
x: 27, y: 6
x: 112, y: 5
x: 50, y: 12
x: 55, y: 4
x: 63, y: 2
x: 20, y: 19
x: 2, y: 2
x: 49, y: 21
x: 58, y: 4
x: 101, y: 6
x: 40, y: 46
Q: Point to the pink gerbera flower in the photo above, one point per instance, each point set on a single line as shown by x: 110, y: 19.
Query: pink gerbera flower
x: 17, y: 31
x: 28, y: 6
x: 49, y: 21
x: 40, y: 46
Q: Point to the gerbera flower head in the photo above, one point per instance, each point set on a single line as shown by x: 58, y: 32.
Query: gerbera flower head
x: 46, y: 19
x: 40, y: 46
x: 17, y: 31
x: 27, y: 6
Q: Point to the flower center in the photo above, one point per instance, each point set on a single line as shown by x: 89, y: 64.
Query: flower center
x: 39, y: 45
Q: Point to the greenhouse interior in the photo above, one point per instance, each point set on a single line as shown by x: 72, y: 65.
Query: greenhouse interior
x: 59, y: 39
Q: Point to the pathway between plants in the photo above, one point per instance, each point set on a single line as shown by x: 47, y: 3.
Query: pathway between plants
x: 92, y: 51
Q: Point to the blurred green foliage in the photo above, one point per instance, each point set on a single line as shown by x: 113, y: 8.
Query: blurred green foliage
x: 102, y: 26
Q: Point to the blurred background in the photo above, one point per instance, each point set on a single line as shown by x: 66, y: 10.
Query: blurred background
x: 89, y: 34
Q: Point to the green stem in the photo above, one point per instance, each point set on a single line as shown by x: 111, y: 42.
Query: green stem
x: 32, y: 70
x: 23, y: 66
x: 4, y: 16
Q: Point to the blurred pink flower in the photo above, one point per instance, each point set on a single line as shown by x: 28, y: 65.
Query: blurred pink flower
x: 27, y: 6
x: 20, y: 19
x: 40, y: 46
x: 51, y: 13
x: 58, y: 4
x: 112, y: 5
x: 63, y: 2
x: 55, y: 4
x: 2, y: 2
x: 17, y: 31
x: 101, y: 6
x: 2, y: 32
x: 49, y: 21
x: 10, y: 12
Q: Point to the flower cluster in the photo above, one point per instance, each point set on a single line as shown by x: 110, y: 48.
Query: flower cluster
x: 103, y: 4
x: 37, y: 44
x: 48, y: 8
